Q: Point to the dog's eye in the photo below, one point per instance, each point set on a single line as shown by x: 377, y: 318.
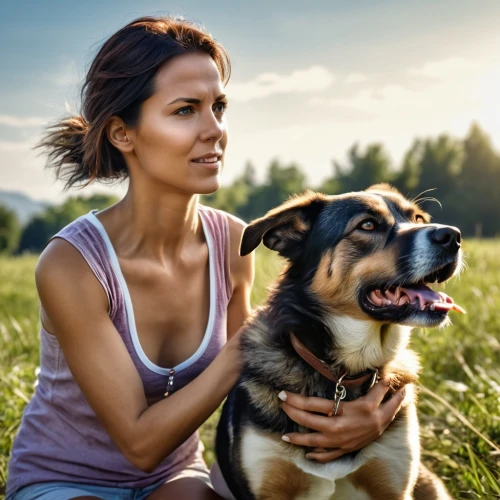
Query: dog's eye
x: 419, y: 219
x: 367, y: 225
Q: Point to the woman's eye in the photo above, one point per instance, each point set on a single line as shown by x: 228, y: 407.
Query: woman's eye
x: 220, y: 107
x: 367, y: 225
x: 186, y: 110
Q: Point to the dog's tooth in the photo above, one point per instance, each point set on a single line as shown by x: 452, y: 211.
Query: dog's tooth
x: 392, y: 295
x: 374, y: 298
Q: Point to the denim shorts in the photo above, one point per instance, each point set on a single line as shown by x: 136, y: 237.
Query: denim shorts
x: 55, y: 490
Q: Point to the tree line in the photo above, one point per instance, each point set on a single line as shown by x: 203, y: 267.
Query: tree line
x: 35, y: 234
x: 457, y: 181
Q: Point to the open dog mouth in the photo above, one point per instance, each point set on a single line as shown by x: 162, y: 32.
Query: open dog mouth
x: 397, y: 300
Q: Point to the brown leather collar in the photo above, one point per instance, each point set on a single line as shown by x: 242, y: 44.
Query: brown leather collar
x: 320, y: 366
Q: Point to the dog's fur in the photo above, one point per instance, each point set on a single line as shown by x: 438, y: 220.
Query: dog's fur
x: 338, y: 249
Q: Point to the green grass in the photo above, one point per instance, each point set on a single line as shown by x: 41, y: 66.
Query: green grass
x: 459, y: 404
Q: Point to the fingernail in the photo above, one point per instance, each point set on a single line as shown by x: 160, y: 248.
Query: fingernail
x: 308, y: 457
x: 282, y: 395
x: 285, y: 438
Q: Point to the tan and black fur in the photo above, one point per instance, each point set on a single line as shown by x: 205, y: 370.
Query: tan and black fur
x: 337, y: 249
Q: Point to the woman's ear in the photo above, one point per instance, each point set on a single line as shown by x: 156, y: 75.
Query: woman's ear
x: 116, y: 131
x: 286, y: 227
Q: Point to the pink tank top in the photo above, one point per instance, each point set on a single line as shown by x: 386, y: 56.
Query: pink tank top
x: 60, y: 437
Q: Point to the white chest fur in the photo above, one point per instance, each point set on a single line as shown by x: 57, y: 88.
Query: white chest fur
x: 398, y: 448
x: 362, y: 345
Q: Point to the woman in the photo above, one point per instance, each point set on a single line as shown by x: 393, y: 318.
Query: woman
x: 153, y: 282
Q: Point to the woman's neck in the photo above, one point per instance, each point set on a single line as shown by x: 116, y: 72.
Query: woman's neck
x: 157, y: 227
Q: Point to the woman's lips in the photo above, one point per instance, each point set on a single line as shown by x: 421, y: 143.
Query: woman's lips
x: 211, y: 163
x: 211, y: 159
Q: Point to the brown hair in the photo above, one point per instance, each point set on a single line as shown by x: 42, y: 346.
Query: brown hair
x: 120, y: 79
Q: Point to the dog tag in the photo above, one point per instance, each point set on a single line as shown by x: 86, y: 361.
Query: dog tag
x: 340, y: 393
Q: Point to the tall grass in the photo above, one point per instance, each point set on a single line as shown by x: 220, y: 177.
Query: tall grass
x: 459, y: 402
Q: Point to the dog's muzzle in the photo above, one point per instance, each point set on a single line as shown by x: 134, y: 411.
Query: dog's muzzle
x: 430, y: 254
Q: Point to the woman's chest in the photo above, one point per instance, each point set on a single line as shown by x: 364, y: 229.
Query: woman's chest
x: 171, y: 309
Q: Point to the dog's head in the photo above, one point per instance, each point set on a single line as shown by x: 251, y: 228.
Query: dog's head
x: 366, y: 255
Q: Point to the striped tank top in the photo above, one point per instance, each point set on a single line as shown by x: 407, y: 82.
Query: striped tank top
x: 60, y: 437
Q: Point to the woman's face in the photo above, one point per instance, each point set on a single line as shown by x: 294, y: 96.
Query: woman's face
x: 182, y: 132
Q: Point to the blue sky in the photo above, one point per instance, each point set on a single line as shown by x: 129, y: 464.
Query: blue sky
x: 309, y: 78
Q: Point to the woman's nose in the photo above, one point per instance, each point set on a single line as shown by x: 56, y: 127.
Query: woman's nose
x: 213, y: 127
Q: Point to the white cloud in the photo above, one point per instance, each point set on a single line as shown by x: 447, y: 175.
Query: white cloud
x: 433, y: 100
x: 442, y: 69
x: 376, y: 101
x: 355, y: 78
x: 25, y: 121
x: 66, y: 75
x: 307, y: 80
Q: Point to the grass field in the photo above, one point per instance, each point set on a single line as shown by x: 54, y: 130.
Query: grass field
x: 460, y: 399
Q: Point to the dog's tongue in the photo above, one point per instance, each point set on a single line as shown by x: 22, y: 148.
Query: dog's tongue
x: 426, y: 296
x: 422, y: 293
x: 414, y: 294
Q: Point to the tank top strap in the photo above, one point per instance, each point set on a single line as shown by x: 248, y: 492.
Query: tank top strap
x: 85, y: 237
x: 219, y: 230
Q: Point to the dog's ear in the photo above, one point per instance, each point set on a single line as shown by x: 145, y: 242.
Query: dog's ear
x: 383, y: 186
x: 284, y: 228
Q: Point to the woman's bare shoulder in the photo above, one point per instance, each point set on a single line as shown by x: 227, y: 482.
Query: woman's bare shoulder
x: 62, y: 272
x: 61, y: 262
x: 236, y: 226
x: 242, y: 268
x: 60, y: 254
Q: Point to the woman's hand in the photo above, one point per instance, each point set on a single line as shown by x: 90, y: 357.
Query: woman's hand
x: 356, y: 424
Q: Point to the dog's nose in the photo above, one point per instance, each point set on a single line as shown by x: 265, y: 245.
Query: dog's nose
x: 448, y: 237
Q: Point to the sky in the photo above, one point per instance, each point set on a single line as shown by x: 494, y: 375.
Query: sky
x: 309, y: 79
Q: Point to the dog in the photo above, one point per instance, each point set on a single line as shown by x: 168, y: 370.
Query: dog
x: 338, y: 319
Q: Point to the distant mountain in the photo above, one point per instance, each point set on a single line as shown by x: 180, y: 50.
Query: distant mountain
x: 23, y: 205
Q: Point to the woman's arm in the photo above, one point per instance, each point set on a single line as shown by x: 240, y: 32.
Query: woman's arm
x: 242, y: 271
x: 76, y: 306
